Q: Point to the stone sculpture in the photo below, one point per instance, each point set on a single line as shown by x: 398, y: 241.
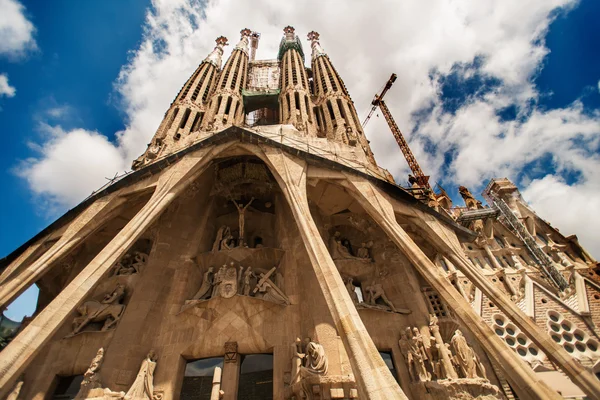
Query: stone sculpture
x: 413, y: 355
x: 228, y: 282
x: 316, y: 359
x: 131, y: 264
x: 268, y: 290
x: 364, y: 252
x: 222, y: 233
x: 465, y: 356
x: 143, y: 386
x: 248, y: 275
x: 337, y: 249
x: 207, y: 284
x: 14, y: 394
x: 374, y: 292
x: 91, y: 378
x: 515, y: 259
x: 241, y: 219
x: 351, y: 290
x: 109, y: 311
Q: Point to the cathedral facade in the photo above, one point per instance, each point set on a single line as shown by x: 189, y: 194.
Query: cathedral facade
x: 257, y: 251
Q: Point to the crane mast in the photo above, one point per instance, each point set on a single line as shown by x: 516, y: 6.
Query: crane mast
x: 419, y: 177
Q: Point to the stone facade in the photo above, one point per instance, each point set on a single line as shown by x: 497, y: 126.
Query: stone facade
x: 279, y: 261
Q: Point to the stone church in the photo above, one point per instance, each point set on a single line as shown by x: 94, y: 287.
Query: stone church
x: 257, y: 251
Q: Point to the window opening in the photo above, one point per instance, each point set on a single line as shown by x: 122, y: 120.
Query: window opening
x: 297, y: 100
x: 307, y: 109
x: 389, y: 362
x: 184, y: 120
x: 197, y: 381
x: 331, y: 114
x: 256, y: 377
x: 67, y: 387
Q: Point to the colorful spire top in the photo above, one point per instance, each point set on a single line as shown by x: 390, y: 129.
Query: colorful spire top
x: 317, y: 50
x: 215, y: 56
x: 244, y: 40
x: 289, y: 41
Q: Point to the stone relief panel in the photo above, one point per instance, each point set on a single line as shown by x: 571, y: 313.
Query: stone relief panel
x: 134, y: 261
x: 100, y: 315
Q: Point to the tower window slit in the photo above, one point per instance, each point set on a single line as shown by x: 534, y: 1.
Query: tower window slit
x: 289, y: 103
x: 354, y: 117
x: 331, y: 114
x: 233, y: 112
x: 318, y: 118
x: 228, y: 105
x: 196, y: 122
x: 236, y: 73
x: 208, y: 85
x: 184, y: 120
x: 331, y: 77
x: 199, y: 84
x: 342, y: 111
x: 172, y: 119
x: 297, y: 100
x: 323, y: 73
x: 219, y: 100
x: 294, y: 72
x: 189, y: 84
x: 287, y: 70
x: 307, y: 109
x: 322, y: 110
x: 244, y: 76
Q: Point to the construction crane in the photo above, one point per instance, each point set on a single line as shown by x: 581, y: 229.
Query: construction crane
x: 418, y: 176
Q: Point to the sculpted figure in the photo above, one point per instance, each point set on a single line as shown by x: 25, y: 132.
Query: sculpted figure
x: 363, y: 252
x: 315, y: 360
x: 207, y: 283
x: 417, y: 341
x: 143, y: 386
x: 124, y: 267
x: 91, y: 378
x: 405, y: 349
x: 374, y: 292
x: 418, y: 362
x: 218, y: 278
x: 154, y: 149
x: 337, y: 249
x: 436, y: 359
x: 351, y: 290
x: 464, y: 354
x: 247, y: 281
x: 14, y: 394
x: 225, y: 241
x: 515, y: 259
x: 108, y: 311
x: 241, y: 218
x: 470, y: 201
x: 221, y: 233
x: 297, y: 358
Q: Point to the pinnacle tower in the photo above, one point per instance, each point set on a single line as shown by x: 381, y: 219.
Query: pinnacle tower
x: 257, y: 251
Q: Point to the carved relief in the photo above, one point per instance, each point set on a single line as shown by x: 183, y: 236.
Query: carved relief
x: 229, y: 281
x: 108, y: 311
x: 91, y: 378
x: 131, y: 264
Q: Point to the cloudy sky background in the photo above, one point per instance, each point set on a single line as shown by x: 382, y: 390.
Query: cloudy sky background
x: 485, y: 89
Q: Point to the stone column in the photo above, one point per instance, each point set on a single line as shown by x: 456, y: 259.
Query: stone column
x: 23, y: 349
x: 493, y: 260
x: 215, y: 393
x: 83, y: 225
x: 231, y: 372
x: 373, y: 378
x: 381, y: 210
x: 448, y: 368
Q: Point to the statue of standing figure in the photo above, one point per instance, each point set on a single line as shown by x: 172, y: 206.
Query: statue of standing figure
x: 207, y: 284
x: 410, y: 346
x: 465, y: 356
x: 143, y: 386
x: 248, y: 275
x: 241, y: 219
x: 91, y: 378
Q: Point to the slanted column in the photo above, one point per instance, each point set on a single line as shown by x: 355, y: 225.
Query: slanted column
x: 231, y: 371
x: 448, y: 367
x: 528, y: 385
x: 216, y: 393
x: 78, y: 231
x: 24, y: 348
x: 373, y: 378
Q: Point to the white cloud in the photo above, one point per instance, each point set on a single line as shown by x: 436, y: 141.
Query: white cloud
x: 366, y: 42
x: 16, y: 31
x: 70, y: 165
x: 5, y: 88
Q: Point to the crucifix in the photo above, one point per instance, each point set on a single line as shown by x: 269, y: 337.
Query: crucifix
x: 241, y: 212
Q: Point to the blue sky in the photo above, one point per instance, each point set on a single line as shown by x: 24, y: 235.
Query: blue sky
x: 500, y: 89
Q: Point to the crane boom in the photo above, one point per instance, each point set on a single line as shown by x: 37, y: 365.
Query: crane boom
x: 420, y: 178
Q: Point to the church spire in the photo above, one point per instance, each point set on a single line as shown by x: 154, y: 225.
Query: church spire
x: 295, y: 107
x: 335, y: 112
x: 226, y: 107
x: 187, y: 110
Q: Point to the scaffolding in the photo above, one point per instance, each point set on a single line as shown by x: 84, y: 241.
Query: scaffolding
x: 510, y: 221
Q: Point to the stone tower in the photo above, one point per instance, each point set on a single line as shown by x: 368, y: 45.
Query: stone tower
x: 257, y: 251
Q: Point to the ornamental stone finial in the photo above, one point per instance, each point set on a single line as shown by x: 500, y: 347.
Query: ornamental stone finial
x: 317, y: 50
